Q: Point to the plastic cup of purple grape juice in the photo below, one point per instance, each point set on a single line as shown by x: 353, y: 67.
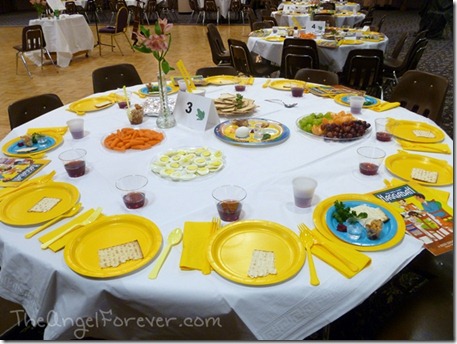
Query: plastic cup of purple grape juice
x: 74, y: 161
x: 76, y: 127
x: 229, y: 201
x: 356, y: 104
x: 132, y: 189
x: 370, y: 159
x: 303, y: 188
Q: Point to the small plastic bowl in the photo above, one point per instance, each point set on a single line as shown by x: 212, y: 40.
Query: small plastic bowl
x: 240, y: 88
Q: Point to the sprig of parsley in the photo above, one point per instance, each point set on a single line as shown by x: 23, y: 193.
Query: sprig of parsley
x: 239, y: 101
x: 343, y: 213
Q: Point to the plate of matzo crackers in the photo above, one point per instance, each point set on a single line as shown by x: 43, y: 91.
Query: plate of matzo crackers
x: 421, y: 169
x: 38, y: 203
x: 255, y: 252
x: 420, y: 132
x: 113, y: 246
x: 234, y: 105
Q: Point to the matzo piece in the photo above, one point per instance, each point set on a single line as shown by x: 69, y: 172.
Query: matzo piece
x: 424, y: 175
x: 423, y: 133
x: 262, y: 264
x: 111, y: 257
x: 44, y: 205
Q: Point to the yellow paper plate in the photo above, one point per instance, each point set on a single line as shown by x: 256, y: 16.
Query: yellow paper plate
x: 343, y: 99
x: 230, y: 251
x: 15, y: 209
x: 402, y: 163
x: 320, y: 220
x: 274, y: 39
x: 81, y: 254
x: 91, y: 104
x: 53, y: 140
x: 286, y: 84
x: 405, y: 130
x: 222, y: 79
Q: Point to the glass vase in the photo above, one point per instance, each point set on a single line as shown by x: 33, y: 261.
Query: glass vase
x: 165, y: 118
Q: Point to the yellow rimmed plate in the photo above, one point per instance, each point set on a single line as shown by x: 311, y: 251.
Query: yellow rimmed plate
x: 230, y: 251
x: 171, y: 89
x: 15, y: 209
x: 222, y: 80
x: 91, y: 104
x: 286, y: 84
x: 53, y: 140
x: 274, y: 39
x: 81, y: 254
x: 405, y: 130
x: 402, y: 163
x: 396, y: 227
x: 343, y: 99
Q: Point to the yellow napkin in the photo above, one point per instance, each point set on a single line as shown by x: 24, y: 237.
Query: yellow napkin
x: 59, y: 244
x: 116, y: 97
x: 48, y: 130
x: 195, y: 246
x: 425, y: 147
x: 384, y: 106
x: 359, y: 259
x: 349, y: 42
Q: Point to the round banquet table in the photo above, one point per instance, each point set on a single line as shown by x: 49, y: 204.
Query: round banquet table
x: 333, y: 59
x: 187, y: 304
x: 303, y: 5
x: 65, y: 36
x: 343, y: 18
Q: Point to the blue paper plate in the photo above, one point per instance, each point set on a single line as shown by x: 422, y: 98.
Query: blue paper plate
x: 388, y: 231
x: 369, y: 101
x: 15, y: 146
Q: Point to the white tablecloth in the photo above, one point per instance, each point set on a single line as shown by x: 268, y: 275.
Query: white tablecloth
x: 186, y: 304
x: 333, y: 59
x: 284, y: 19
x: 65, y: 36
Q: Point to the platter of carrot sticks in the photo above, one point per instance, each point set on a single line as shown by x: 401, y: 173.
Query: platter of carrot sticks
x: 132, y: 139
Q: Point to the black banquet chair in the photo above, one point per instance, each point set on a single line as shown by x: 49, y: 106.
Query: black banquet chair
x: 317, y: 76
x: 216, y: 70
x: 363, y: 70
x: 115, y: 76
x: 244, y: 63
x: 120, y: 28
x: 32, y: 40
x: 219, y: 54
x: 24, y: 110
x: 421, y: 92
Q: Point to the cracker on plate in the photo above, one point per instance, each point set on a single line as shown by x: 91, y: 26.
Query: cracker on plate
x: 113, y: 256
x: 424, y: 175
x: 262, y: 264
x: 44, y: 205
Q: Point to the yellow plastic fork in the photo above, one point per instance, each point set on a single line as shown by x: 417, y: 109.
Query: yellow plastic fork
x: 309, y: 241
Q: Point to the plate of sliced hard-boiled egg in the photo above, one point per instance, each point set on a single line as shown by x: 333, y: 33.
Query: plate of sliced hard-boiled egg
x: 189, y: 163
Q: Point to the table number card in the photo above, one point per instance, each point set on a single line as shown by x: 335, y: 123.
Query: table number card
x: 316, y: 27
x: 195, y: 111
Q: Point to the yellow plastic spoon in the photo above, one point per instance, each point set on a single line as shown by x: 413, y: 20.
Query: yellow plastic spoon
x: 174, y: 238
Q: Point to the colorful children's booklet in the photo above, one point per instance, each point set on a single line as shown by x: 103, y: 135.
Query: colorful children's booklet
x: 13, y: 171
x: 425, y: 211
